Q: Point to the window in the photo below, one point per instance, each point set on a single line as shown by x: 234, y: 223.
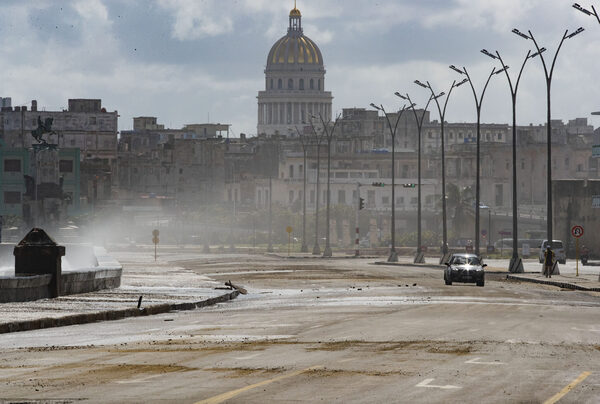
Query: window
x: 312, y: 196
x: 385, y: 200
x: 319, y: 86
x: 12, y: 165
x: 451, y: 136
x: 290, y: 84
x: 12, y: 197
x: 65, y: 166
x: 414, y: 201
x: 429, y: 200
x: 566, y: 162
x: 291, y: 196
x: 259, y: 196
x: 400, y: 200
x: 92, y: 120
x: 312, y: 84
x: 291, y: 171
x: 72, y: 142
x: 229, y: 195
x: 579, y: 168
x: 499, y: 136
x: 499, y: 195
x: 301, y: 84
x: 341, y: 196
x: 271, y: 84
x: 279, y: 84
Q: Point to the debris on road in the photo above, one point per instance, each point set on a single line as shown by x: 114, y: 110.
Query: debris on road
x: 238, y: 288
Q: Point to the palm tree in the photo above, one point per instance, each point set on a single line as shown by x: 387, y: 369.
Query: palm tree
x: 460, y: 201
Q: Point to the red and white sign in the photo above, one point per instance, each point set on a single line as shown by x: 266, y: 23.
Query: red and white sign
x: 577, y: 231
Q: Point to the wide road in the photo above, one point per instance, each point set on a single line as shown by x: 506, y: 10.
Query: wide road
x: 311, y: 330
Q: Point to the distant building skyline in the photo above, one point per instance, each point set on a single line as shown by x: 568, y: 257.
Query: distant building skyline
x: 184, y: 61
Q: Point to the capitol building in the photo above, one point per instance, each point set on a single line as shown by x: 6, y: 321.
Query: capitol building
x: 294, y: 83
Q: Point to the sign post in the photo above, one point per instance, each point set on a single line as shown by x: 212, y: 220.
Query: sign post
x: 577, y: 232
x: 289, y: 232
x: 155, y: 240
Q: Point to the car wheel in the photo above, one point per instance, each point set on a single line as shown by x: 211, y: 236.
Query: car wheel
x: 563, y: 262
x: 449, y: 283
x: 481, y: 282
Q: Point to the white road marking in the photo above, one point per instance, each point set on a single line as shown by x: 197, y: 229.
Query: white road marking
x: 243, y: 358
x: 476, y: 362
x: 347, y: 360
x: 425, y: 383
x: 140, y: 380
x: 583, y: 329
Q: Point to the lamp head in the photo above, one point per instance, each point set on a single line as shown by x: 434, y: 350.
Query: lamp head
x: 456, y: 69
x: 542, y: 50
x: 576, y: 32
x: 583, y: 10
x: 417, y: 82
x: 519, y: 33
x: 505, y: 68
x: 487, y: 53
x: 376, y: 107
x: 461, y: 83
x: 397, y: 94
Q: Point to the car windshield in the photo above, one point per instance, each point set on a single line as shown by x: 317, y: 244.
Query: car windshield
x: 465, y: 261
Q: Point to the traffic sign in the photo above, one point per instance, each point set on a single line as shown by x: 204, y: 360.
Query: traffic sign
x: 484, y: 232
x: 577, y: 231
x: 155, y: 232
x: 289, y: 229
x: 155, y: 240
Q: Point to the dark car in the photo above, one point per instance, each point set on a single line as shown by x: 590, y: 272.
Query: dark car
x: 466, y: 268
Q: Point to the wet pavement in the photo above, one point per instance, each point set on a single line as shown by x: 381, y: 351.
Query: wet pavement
x: 319, y: 330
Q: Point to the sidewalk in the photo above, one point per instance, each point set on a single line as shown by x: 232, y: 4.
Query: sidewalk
x: 586, y: 282
x: 163, y: 286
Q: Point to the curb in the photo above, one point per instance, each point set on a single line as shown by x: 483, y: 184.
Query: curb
x: 295, y: 257
x: 37, y: 324
x: 563, y: 285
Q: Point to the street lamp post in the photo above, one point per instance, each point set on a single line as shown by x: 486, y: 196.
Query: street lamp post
x: 442, y: 113
x: 548, y: 75
x: 419, y: 258
x: 516, y: 264
x: 270, y: 246
x: 304, y: 143
x: 318, y: 141
x: 478, y: 103
x: 329, y: 136
x: 393, y: 254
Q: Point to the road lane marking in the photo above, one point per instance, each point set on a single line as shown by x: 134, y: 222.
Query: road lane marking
x: 567, y: 388
x: 583, y: 329
x: 475, y: 361
x: 243, y: 358
x: 425, y: 383
x: 231, y: 394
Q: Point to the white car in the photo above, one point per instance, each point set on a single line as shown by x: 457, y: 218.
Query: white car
x: 557, y: 248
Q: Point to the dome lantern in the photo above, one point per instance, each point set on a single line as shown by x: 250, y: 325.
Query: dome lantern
x: 295, y: 21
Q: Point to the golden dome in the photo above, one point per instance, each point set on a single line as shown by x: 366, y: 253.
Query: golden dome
x: 292, y: 49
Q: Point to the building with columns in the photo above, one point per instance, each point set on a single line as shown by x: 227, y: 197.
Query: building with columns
x: 294, y: 83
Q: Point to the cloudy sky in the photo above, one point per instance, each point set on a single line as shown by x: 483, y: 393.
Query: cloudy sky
x: 186, y: 60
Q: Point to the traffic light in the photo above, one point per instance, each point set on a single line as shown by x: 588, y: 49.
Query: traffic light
x: 378, y: 184
x: 361, y: 204
x: 409, y: 185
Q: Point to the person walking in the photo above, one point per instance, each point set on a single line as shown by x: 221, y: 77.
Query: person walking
x: 548, y: 262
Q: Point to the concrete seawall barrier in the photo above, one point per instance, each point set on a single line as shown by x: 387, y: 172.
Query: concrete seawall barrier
x: 106, y: 275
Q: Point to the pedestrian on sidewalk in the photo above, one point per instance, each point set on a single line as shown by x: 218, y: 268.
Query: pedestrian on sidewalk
x: 548, y: 262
